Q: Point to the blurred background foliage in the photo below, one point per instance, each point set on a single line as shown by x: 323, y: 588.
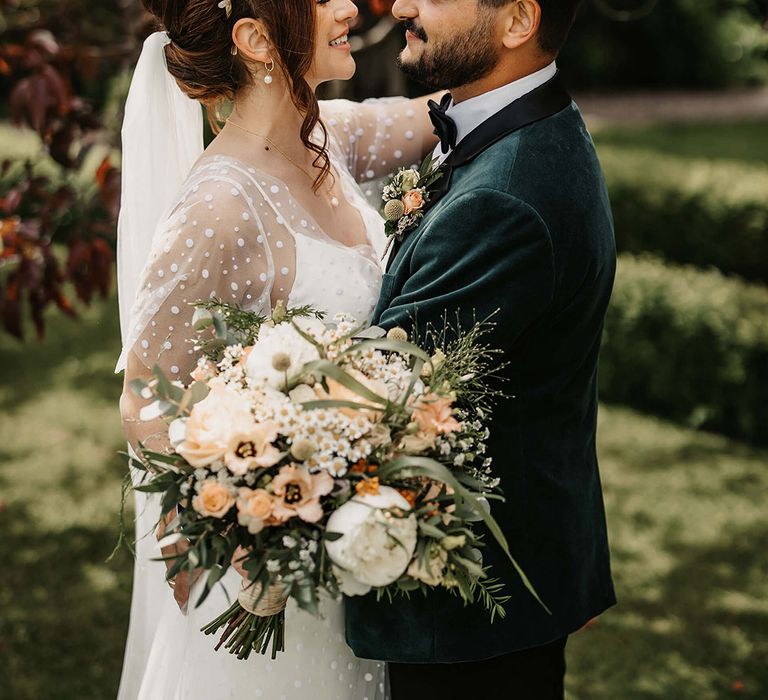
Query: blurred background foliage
x: 627, y: 44
x: 685, y: 349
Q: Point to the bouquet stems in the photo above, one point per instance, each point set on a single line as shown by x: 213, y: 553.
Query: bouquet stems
x: 252, y: 626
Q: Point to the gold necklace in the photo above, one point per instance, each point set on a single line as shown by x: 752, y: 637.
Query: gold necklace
x: 332, y: 198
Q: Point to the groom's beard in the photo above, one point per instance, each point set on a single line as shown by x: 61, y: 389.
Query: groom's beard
x: 460, y: 60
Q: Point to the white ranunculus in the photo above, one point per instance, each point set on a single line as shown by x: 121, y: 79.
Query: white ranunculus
x: 374, y: 550
x: 409, y: 179
x: 302, y: 393
x: 285, y: 341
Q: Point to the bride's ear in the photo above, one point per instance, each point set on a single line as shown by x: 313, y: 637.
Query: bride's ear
x: 250, y: 37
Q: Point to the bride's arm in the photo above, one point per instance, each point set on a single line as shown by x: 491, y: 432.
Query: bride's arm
x: 154, y: 435
x: 213, y: 246
x: 377, y: 136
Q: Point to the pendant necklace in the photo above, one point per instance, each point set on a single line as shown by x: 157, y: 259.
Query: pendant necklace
x: 332, y: 198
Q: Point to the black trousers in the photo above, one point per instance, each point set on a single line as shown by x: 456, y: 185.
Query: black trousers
x: 530, y: 674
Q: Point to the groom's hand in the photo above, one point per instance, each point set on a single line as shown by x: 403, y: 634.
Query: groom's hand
x: 182, y: 582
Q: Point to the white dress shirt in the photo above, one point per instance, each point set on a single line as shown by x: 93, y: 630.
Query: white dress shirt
x: 469, y: 114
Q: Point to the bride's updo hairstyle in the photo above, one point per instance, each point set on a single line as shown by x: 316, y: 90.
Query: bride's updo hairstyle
x: 200, y: 56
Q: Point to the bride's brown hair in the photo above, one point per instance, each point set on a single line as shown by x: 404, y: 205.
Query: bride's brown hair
x: 200, y: 57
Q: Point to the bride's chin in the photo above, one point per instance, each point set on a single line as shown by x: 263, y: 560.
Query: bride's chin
x: 345, y: 73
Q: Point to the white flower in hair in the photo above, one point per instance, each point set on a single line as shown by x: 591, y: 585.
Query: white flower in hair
x: 227, y: 6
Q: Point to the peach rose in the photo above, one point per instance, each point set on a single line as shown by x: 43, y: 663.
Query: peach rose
x: 413, y: 201
x: 297, y: 493
x: 211, y: 424
x: 254, y: 508
x: 434, y: 415
x: 253, y: 448
x: 213, y: 499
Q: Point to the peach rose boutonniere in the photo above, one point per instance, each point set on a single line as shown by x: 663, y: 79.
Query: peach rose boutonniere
x: 406, y: 197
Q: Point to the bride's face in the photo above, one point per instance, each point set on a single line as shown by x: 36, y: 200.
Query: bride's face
x: 333, y: 55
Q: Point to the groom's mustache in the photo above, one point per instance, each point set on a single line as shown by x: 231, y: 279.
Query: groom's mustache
x: 410, y: 25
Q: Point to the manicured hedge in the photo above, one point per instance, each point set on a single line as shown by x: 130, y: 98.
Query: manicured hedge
x: 690, y: 211
x: 690, y: 345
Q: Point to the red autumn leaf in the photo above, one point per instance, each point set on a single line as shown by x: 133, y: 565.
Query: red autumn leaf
x: 381, y: 7
x: 78, y: 269
x: 102, y: 266
x: 108, y: 179
x: 39, y: 96
x: 10, y: 203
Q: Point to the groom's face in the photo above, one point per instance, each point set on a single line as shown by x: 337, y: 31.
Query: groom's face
x: 449, y: 43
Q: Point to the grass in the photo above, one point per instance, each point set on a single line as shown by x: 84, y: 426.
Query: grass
x: 687, y: 522
x: 63, y: 611
x: 686, y: 515
x: 741, y: 140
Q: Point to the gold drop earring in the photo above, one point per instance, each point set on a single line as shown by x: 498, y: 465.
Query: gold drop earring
x: 269, y: 68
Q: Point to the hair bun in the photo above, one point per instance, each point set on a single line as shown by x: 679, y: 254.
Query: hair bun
x: 168, y: 12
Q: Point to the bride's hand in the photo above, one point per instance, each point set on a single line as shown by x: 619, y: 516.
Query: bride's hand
x: 237, y: 561
x: 181, y: 582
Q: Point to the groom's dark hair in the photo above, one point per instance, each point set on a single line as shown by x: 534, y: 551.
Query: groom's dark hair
x: 556, y: 21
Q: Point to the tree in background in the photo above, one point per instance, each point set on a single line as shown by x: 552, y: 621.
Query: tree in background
x: 56, y: 63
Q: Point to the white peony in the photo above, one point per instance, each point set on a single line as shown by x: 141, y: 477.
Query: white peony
x: 374, y: 549
x: 283, y: 346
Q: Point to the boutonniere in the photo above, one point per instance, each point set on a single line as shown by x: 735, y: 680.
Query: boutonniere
x: 406, y: 196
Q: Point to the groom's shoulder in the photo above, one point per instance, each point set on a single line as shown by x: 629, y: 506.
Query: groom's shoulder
x: 538, y: 156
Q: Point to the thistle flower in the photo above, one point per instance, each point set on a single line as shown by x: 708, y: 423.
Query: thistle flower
x: 397, y: 333
x: 394, y: 209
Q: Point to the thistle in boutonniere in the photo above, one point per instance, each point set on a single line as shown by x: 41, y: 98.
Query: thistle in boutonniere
x: 406, y: 195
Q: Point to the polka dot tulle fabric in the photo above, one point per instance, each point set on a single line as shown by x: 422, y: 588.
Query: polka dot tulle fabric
x: 238, y: 234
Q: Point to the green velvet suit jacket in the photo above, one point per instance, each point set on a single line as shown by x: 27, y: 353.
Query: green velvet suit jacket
x: 524, y: 228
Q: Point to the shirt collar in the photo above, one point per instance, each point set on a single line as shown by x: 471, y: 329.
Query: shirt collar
x: 469, y: 114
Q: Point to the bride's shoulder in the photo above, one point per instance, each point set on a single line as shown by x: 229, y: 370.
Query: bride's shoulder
x: 223, y: 187
x: 222, y: 206
x: 212, y: 172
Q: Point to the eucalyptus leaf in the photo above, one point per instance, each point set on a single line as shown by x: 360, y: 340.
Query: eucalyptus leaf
x: 168, y: 540
x: 400, y: 346
x: 431, y: 530
x: 423, y: 466
x: 336, y: 403
x: 329, y: 369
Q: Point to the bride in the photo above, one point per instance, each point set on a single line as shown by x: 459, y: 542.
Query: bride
x: 270, y: 211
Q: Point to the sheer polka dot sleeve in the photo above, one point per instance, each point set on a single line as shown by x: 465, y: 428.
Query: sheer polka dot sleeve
x: 212, y: 245
x: 374, y: 137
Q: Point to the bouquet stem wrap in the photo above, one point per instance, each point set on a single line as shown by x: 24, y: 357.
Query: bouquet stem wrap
x: 272, y: 603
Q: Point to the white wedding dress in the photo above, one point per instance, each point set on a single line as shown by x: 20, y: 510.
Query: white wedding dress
x: 238, y: 234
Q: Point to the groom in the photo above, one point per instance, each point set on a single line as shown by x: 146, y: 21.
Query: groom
x: 521, y: 225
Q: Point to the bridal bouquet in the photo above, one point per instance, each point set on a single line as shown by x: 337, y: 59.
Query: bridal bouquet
x: 319, y: 462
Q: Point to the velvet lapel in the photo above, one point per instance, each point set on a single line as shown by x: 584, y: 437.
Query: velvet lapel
x: 546, y: 100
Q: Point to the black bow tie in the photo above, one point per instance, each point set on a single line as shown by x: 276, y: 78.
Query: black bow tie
x: 445, y: 127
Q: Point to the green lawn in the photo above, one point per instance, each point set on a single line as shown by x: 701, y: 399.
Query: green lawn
x: 742, y: 140
x: 686, y: 513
